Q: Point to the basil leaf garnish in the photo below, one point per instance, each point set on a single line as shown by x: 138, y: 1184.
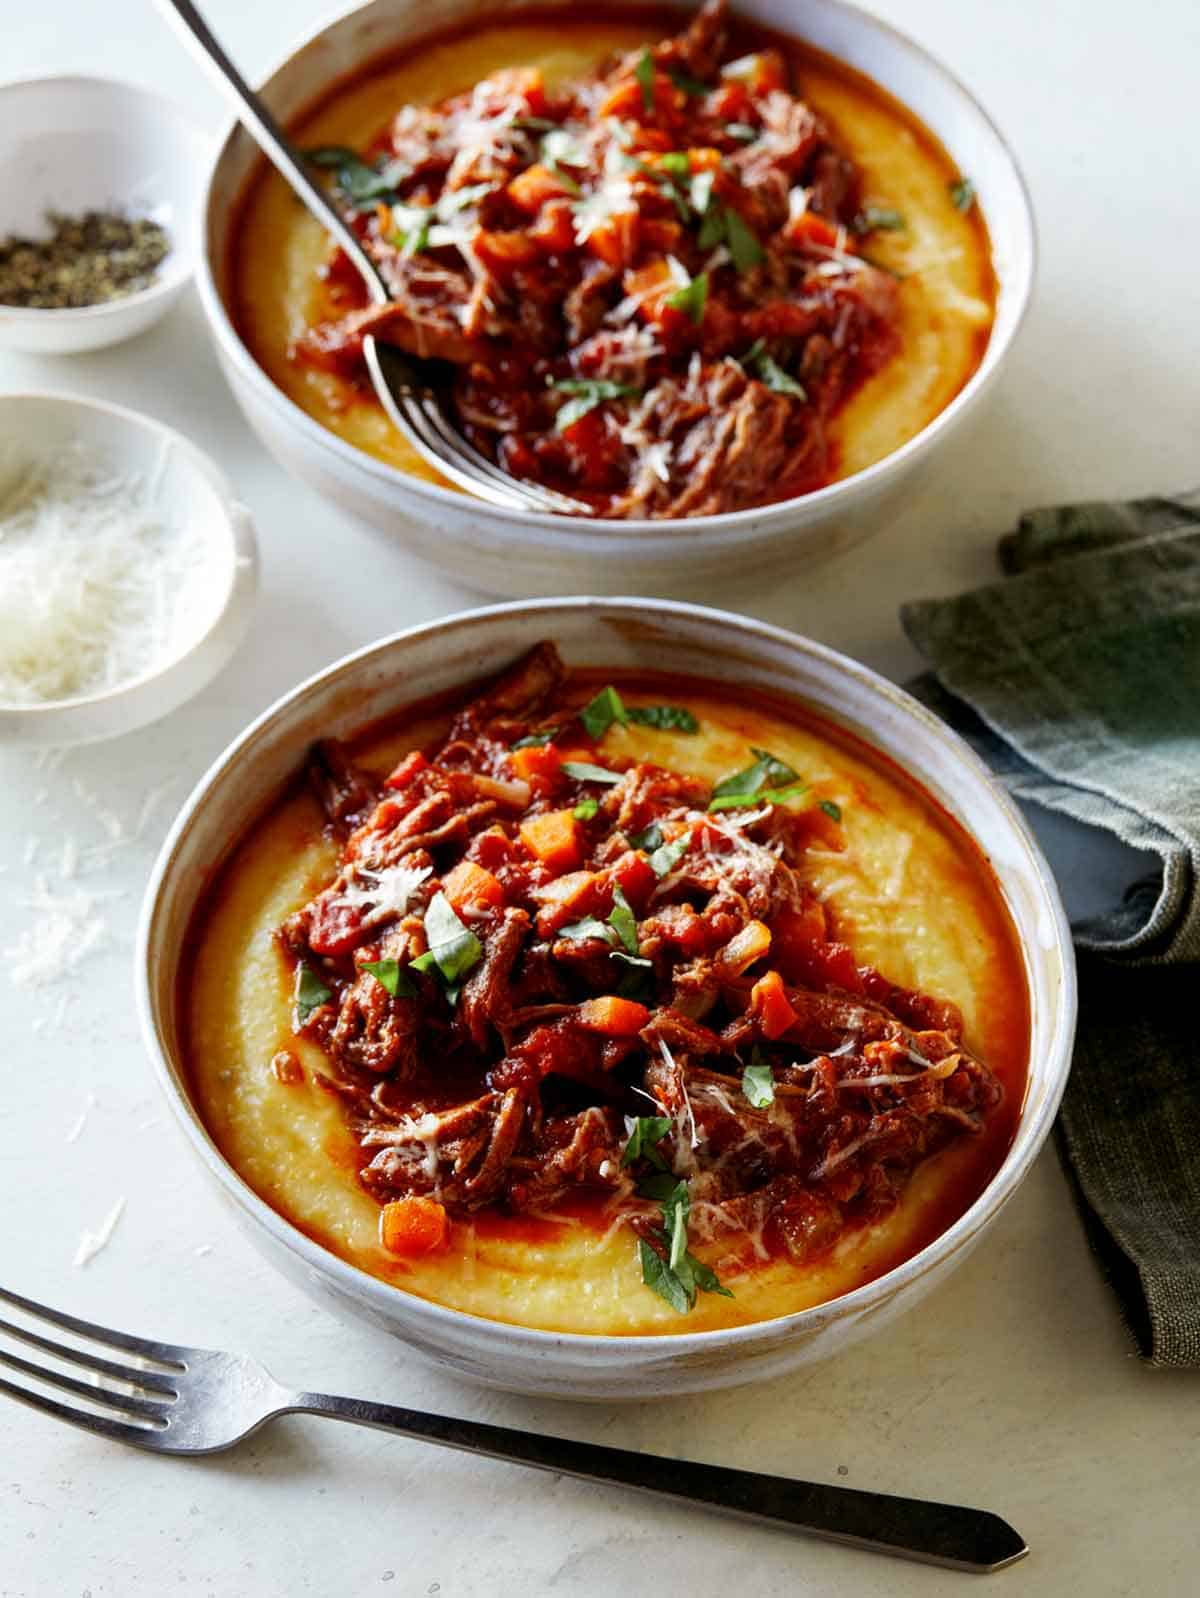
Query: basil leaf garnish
x: 761, y: 796
x: 363, y: 186
x: 668, y: 855
x: 599, y: 714
x: 646, y: 1132
x: 390, y: 974
x: 536, y: 740
x: 691, y: 298
x: 661, y: 1279
x: 770, y: 373
x: 684, y: 80
x: 623, y: 921
x: 831, y: 809
x: 758, y: 1082
x: 588, y: 393
x: 743, y: 244
x: 589, y: 927
x: 453, y: 948
x: 767, y: 771
x: 310, y: 993
x: 585, y: 771
x: 668, y: 718
x: 650, y: 837
x: 676, y: 163
x: 585, y: 809
x: 644, y: 73
x: 962, y: 194
x: 879, y: 219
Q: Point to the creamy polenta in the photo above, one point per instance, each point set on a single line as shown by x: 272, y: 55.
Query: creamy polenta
x: 906, y: 890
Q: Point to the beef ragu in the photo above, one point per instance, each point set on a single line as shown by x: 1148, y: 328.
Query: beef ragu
x: 654, y: 284
x: 545, y: 977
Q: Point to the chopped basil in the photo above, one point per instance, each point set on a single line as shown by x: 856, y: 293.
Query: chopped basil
x: 761, y: 796
x: 362, y: 185
x: 675, y: 162
x: 962, y: 194
x: 834, y: 811
x: 691, y: 298
x: 585, y: 809
x: 770, y: 373
x: 879, y: 219
x: 310, y: 993
x: 676, y: 1275
x: 392, y: 976
x: 589, y: 927
x: 649, y: 838
x: 657, y: 1185
x: 712, y: 225
x: 584, y: 771
x: 536, y: 740
x: 413, y: 223
x: 743, y: 244
x: 588, y: 393
x: 742, y: 131
x: 644, y: 73
x: 453, y: 948
x: 668, y: 855
x: 684, y: 80
x: 599, y: 713
x: 758, y: 1082
x: 632, y: 959
x: 644, y: 1134
x: 767, y: 771
x: 623, y: 921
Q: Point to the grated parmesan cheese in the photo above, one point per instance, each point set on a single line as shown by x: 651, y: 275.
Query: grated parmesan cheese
x: 95, y: 588
x: 91, y: 1243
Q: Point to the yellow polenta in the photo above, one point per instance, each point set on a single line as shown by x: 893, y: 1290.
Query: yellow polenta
x: 909, y: 893
x: 945, y: 301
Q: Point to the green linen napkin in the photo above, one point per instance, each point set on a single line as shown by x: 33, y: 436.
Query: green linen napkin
x: 1078, y: 679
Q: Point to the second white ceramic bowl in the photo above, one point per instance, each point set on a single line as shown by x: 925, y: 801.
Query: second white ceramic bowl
x: 509, y: 552
x: 637, y: 633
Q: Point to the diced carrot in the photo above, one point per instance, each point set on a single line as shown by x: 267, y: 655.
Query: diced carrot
x: 554, y: 229
x: 536, y: 762
x: 567, y: 898
x: 531, y: 189
x: 650, y: 285
x: 704, y: 158
x: 468, y: 883
x: 770, y: 1004
x: 616, y: 1018
x: 505, y: 253
x: 634, y: 875
x: 413, y: 1226
x: 554, y: 838
x: 812, y: 228
x: 745, y: 947
x: 411, y: 766
x: 625, y: 101
x: 615, y: 240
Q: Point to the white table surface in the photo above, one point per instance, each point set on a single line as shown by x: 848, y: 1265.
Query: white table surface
x: 1013, y: 1387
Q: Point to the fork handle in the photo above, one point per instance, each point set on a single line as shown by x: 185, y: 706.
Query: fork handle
x: 937, y: 1534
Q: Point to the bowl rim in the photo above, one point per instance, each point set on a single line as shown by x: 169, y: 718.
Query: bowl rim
x: 179, y: 264
x: 431, y: 1316
x: 748, y: 523
x: 237, y: 592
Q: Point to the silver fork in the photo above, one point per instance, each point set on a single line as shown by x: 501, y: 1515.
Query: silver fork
x: 411, y: 401
x: 178, y: 1400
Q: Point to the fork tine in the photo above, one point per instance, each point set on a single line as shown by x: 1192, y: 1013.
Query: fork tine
x: 123, y: 1404
x: 165, y: 1353
x: 103, y: 1395
x: 119, y: 1431
x: 152, y: 1381
x: 539, y: 498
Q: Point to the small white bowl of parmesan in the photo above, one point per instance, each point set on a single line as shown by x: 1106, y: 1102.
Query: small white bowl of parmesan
x: 128, y: 570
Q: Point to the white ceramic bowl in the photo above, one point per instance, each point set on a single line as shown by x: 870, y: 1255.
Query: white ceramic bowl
x: 187, y: 490
x: 508, y: 552
x: 623, y: 633
x: 75, y: 144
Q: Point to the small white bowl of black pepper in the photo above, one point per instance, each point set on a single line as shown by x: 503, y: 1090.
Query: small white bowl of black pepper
x: 99, y: 208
